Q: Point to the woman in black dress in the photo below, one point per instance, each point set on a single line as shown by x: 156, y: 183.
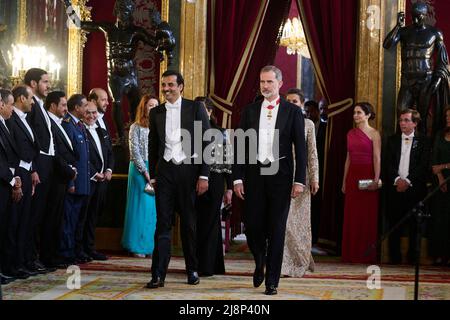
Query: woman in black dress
x: 209, y: 229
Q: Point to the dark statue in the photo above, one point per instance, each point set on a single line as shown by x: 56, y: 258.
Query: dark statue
x: 423, y: 81
x: 121, y: 44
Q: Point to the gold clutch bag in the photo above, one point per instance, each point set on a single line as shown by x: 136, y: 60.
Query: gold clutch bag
x: 364, y: 184
x: 149, y: 189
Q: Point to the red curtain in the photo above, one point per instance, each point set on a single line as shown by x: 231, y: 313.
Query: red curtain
x: 331, y: 29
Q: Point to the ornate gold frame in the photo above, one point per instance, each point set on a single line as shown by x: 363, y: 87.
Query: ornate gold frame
x: 77, y: 41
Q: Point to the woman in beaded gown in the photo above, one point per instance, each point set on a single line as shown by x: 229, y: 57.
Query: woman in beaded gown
x: 297, y: 257
x: 140, y: 214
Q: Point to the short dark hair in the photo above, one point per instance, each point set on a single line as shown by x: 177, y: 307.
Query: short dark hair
x: 207, y: 102
x: 367, y: 108
x: 93, y: 95
x: 415, y: 115
x: 20, y: 90
x: 33, y: 74
x: 54, y: 97
x: 4, y: 94
x: 75, y: 100
x: 298, y: 92
x: 312, y: 104
x: 169, y: 73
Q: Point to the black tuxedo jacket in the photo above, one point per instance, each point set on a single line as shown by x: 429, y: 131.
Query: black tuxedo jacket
x: 9, y: 146
x: 65, y: 156
x: 37, y: 122
x: 190, y: 111
x: 5, y: 174
x: 419, y: 160
x: 27, y: 149
x: 95, y: 161
x: 291, y: 125
x: 108, y: 141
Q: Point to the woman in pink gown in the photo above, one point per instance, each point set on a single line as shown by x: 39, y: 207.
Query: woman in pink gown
x: 361, y: 206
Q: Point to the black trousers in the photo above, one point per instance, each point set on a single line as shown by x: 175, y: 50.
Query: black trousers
x: 5, y: 208
x: 175, y: 191
x: 96, y: 201
x: 209, y: 228
x: 39, y: 205
x: 267, y: 202
x: 19, y: 226
x: 52, y: 224
x: 400, y: 203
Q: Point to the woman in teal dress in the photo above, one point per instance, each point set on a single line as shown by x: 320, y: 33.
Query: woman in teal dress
x: 440, y: 208
x: 140, y: 214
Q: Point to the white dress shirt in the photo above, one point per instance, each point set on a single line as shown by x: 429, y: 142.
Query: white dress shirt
x: 23, y: 118
x: 51, y: 149
x: 101, y: 121
x: 94, y: 134
x: 173, y: 148
x: 58, y: 122
x: 403, y: 168
x: 266, y: 134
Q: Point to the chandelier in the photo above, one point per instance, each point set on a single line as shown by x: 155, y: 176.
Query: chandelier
x: 294, y: 39
x: 23, y: 57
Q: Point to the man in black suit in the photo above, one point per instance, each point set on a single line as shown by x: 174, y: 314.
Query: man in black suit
x: 64, y: 171
x: 27, y: 147
x: 407, y: 158
x: 10, y: 185
x: 39, y: 82
x: 313, y: 113
x: 179, y: 171
x: 100, y: 156
x: 265, y: 180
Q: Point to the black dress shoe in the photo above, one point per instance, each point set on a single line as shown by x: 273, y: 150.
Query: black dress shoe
x: 83, y: 258
x: 19, y: 274
x: 98, y: 256
x: 36, y: 267
x: 156, y: 282
x: 258, y: 277
x: 271, y: 290
x: 193, y: 278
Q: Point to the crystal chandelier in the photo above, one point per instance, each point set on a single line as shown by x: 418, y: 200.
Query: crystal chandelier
x: 294, y: 39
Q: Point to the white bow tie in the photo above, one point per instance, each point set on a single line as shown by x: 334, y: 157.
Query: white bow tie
x: 93, y: 127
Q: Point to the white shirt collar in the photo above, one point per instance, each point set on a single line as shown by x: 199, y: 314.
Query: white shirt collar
x: 93, y: 127
x: 176, y: 104
x: 410, y: 137
x: 274, y: 102
x: 20, y: 113
x: 1, y: 119
x: 74, y: 118
x: 39, y: 100
x: 100, y: 116
x: 55, y: 118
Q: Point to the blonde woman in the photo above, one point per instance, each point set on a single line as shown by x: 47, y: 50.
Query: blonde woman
x: 140, y: 214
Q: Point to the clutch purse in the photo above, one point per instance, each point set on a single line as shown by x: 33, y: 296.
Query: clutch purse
x: 364, y: 184
x: 149, y: 189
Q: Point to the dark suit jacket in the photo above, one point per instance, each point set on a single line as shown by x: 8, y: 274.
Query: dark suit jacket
x: 10, y: 147
x: 190, y: 112
x: 27, y: 149
x: 37, y: 121
x: 108, y: 141
x: 94, y: 153
x: 291, y: 126
x: 80, y: 144
x: 419, y: 160
x: 64, y: 155
x: 5, y: 174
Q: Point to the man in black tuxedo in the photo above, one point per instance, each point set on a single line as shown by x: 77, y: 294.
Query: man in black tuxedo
x: 407, y: 158
x: 313, y: 113
x: 27, y: 147
x: 100, y: 156
x: 10, y: 185
x: 39, y: 82
x: 64, y: 171
x: 265, y: 180
x: 180, y: 173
